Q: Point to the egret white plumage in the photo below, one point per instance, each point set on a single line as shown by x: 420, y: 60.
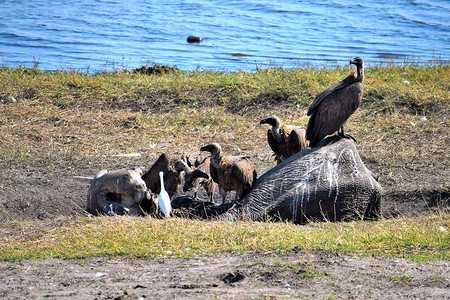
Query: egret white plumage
x: 163, y: 198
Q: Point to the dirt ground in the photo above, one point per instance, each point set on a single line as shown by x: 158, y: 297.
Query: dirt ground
x: 250, y: 275
x: 36, y: 195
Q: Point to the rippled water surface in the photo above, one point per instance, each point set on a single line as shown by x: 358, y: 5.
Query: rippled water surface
x: 107, y: 34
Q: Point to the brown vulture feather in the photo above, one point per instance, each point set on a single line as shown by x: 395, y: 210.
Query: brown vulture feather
x: 196, y: 173
x: 332, y: 107
x: 284, y: 140
x: 231, y: 173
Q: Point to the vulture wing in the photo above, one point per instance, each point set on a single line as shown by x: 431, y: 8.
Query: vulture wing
x: 172, y: 178
x: 151, y: 177
x: 333, y: 112
x: 245, y: 172
x: 213, y: 173
x: 326, y: 93
x: 298, y: 139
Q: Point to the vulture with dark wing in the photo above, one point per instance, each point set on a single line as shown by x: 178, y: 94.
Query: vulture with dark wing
x: 332, y: 107
x: 196, y: 176
x: 231, y: 173
x: 284, y: 140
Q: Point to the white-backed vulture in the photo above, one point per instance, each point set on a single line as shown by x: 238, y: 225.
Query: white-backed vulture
x: 332, y: 107
x: 284, y: 140
x: 201, y: 163
x: 231, y: 173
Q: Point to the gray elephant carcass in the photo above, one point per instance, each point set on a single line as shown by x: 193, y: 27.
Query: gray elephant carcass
x: 328, y: 182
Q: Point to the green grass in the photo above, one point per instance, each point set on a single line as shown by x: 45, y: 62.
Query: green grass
x: 422, y: 238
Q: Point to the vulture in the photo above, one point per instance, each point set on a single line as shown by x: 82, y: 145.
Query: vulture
x: 231, y: 173
x: 332, y: 107
x: 195, y: 177
x: 284, y: 140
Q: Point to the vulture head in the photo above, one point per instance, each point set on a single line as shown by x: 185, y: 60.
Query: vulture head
x: 273, y: 120
x: 181, y: 166
x: 357, y: 61
x: 190, y: 179
x: 213, y: 148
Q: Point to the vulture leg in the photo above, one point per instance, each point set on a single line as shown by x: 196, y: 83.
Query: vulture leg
x: 341, y: 133
x: 223, y: 194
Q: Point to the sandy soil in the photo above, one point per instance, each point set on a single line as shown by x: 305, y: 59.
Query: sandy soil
x: 36, y: 195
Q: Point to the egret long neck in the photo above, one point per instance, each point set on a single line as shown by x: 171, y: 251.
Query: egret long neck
x: 161, y: 177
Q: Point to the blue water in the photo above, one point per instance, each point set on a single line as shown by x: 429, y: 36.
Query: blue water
x: 238, y: 35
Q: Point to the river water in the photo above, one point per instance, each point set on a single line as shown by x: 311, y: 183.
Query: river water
x: 103, y: 35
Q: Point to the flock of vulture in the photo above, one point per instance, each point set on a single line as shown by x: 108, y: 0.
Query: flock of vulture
x: 328, y: 113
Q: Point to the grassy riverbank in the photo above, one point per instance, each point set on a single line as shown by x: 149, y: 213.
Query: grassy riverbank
x: 75, y: 123
x: 50, y: 118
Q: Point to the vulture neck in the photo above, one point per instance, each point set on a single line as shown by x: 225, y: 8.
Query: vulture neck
x: 276, y: 130
x: 360, y: 73
x: 215, y: 156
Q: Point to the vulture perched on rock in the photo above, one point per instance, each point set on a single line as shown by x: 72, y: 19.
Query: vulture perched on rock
x: 332, y: 107
x: 284, y: 140
x: 231, y: 173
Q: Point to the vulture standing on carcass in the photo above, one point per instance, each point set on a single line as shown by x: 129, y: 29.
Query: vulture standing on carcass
x: 195, y: 177
x: 201, y: 163
x: 332, y: 107
x: 231, y: 173
x: 284, y: 140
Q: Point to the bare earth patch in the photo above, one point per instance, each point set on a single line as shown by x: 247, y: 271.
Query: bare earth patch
x: 251, y: 275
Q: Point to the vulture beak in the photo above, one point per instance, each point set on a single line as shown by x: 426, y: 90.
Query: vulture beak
x: 271, y: 121
x: 205, y: 148
x: 356, y: 61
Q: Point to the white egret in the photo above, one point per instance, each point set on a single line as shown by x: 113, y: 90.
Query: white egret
x: 163, y: 198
